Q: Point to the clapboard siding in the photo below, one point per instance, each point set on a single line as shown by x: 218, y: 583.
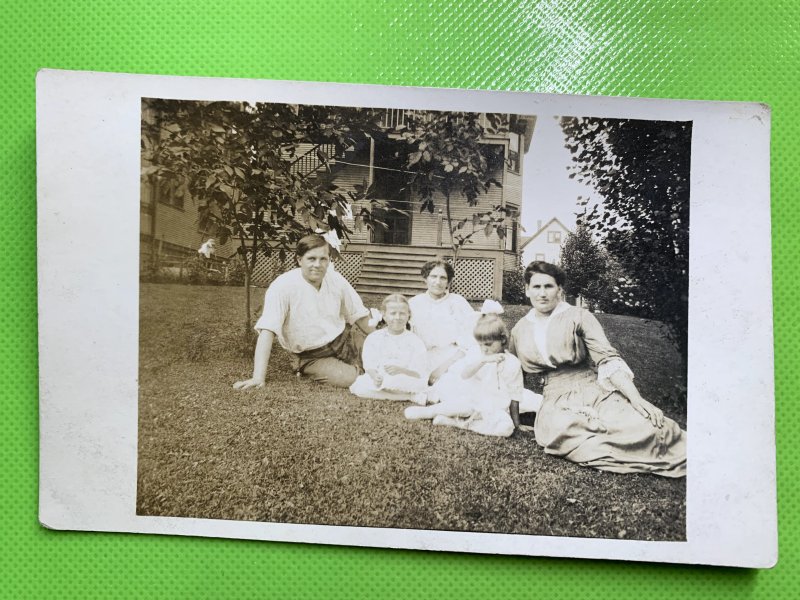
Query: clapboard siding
x: 426, y: 225
x: 347, y: 177
x: 177, y: 226
x: 511, y: 261
x: 512, y: 189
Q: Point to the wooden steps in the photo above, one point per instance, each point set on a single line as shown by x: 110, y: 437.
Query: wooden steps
x: 392, y: 271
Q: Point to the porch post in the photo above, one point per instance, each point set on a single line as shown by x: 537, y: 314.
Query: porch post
x: 497, y: 287
x: 371, y: 174
x: 439, y: 228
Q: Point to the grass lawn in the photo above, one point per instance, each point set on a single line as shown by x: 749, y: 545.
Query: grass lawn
x: 298, y: 452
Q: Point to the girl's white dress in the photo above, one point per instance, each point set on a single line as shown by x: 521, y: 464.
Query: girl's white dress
x: 382, y: 349
x: 480, y: 403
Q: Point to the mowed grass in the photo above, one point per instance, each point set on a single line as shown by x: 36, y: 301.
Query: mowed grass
x: 297, y: 452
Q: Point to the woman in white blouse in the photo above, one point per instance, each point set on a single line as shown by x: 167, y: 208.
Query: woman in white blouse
x: 443, y: 320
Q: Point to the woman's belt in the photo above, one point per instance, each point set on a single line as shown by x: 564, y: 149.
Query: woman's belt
x: 564, y: 378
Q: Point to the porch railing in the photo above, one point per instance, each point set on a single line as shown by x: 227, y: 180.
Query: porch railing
x: 311, y: 161
x: 395, y: 118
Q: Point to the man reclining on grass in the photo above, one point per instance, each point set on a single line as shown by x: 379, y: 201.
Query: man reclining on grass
x: 309, y: 310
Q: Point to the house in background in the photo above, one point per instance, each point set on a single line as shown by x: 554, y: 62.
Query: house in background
x: 384, y: 260
x: 546, y: 243
x: 169, y: 230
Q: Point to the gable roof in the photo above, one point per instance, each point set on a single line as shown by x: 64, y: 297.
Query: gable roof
x: 542, y: 229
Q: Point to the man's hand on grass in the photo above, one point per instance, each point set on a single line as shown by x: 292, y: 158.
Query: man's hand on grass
x: 247, y: 384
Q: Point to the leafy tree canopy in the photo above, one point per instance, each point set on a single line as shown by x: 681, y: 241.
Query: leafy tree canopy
x: 240, y: 163
x: 447, y: 152
x: 641, y: 170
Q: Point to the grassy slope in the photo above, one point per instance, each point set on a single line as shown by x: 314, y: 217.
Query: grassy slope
x: 301, y: 453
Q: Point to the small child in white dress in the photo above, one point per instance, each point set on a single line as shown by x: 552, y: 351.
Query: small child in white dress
x: 483, y: 392
x: 393, y: 357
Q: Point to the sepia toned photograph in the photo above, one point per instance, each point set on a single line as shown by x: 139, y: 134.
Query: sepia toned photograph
x: 391, y: 317
x: 413, y: 319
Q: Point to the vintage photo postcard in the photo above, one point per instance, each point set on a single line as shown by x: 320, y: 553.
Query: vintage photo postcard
x: 450, y: 320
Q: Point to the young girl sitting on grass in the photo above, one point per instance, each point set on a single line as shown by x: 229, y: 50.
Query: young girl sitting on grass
x: 393, y: 357
x: 483, y: 393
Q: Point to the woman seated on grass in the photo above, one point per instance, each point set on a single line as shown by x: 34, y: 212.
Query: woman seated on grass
x: 309, y: 309
x: 442, y: 319
x: 596, y: 418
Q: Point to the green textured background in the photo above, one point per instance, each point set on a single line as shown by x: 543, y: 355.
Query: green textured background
x: 676, y: 49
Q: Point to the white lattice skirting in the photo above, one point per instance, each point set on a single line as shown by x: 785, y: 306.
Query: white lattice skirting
x: 474, y: 278
x: 269, y: 267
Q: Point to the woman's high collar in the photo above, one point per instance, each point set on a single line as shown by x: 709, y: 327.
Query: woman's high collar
x: 560, y: 308
x: 432, y: 299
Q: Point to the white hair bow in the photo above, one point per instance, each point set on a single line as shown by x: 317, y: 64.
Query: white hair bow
x: 491, y: 307
x: 331, y: 237
x: 375, y: 317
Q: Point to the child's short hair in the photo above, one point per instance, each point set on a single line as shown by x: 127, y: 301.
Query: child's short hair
x: 491, y: 328
x: 397, y: 298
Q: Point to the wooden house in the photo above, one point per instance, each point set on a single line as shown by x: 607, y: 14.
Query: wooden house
x: 387, y: 260
x: 545, y: 244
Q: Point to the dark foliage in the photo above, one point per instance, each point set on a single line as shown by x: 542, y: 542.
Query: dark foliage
x: 641, y: 169
x: 514, y: 287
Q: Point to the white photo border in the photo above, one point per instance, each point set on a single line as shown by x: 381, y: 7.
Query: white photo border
x: 88, y: 168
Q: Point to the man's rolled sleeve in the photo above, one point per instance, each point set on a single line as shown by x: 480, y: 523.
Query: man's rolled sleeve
x: 275, y: 309
x: 354, y: 308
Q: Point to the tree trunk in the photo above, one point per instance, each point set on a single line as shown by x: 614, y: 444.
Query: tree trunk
x: 450, y: 229
x: 247, y: 279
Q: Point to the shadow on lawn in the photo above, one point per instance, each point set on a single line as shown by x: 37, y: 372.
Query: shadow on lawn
x: 297, y: 452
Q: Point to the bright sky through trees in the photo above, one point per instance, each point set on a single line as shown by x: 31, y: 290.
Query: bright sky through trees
x: 547, y: 190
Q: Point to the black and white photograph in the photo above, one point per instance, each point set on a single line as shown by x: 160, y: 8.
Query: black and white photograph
x: 419, y: 319
x: 411, y: 318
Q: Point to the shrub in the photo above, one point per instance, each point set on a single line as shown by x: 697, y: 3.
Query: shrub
x: 514, y: 287
x: 196, y: 271
x: 149, y: 273
x: 235, y: 271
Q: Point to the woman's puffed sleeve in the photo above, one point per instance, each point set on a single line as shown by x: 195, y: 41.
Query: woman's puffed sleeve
x: 590, y: 330
x: 603, y: 354
x: 607, y: 369
x: 467, y: 317
x: 418, y: 360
